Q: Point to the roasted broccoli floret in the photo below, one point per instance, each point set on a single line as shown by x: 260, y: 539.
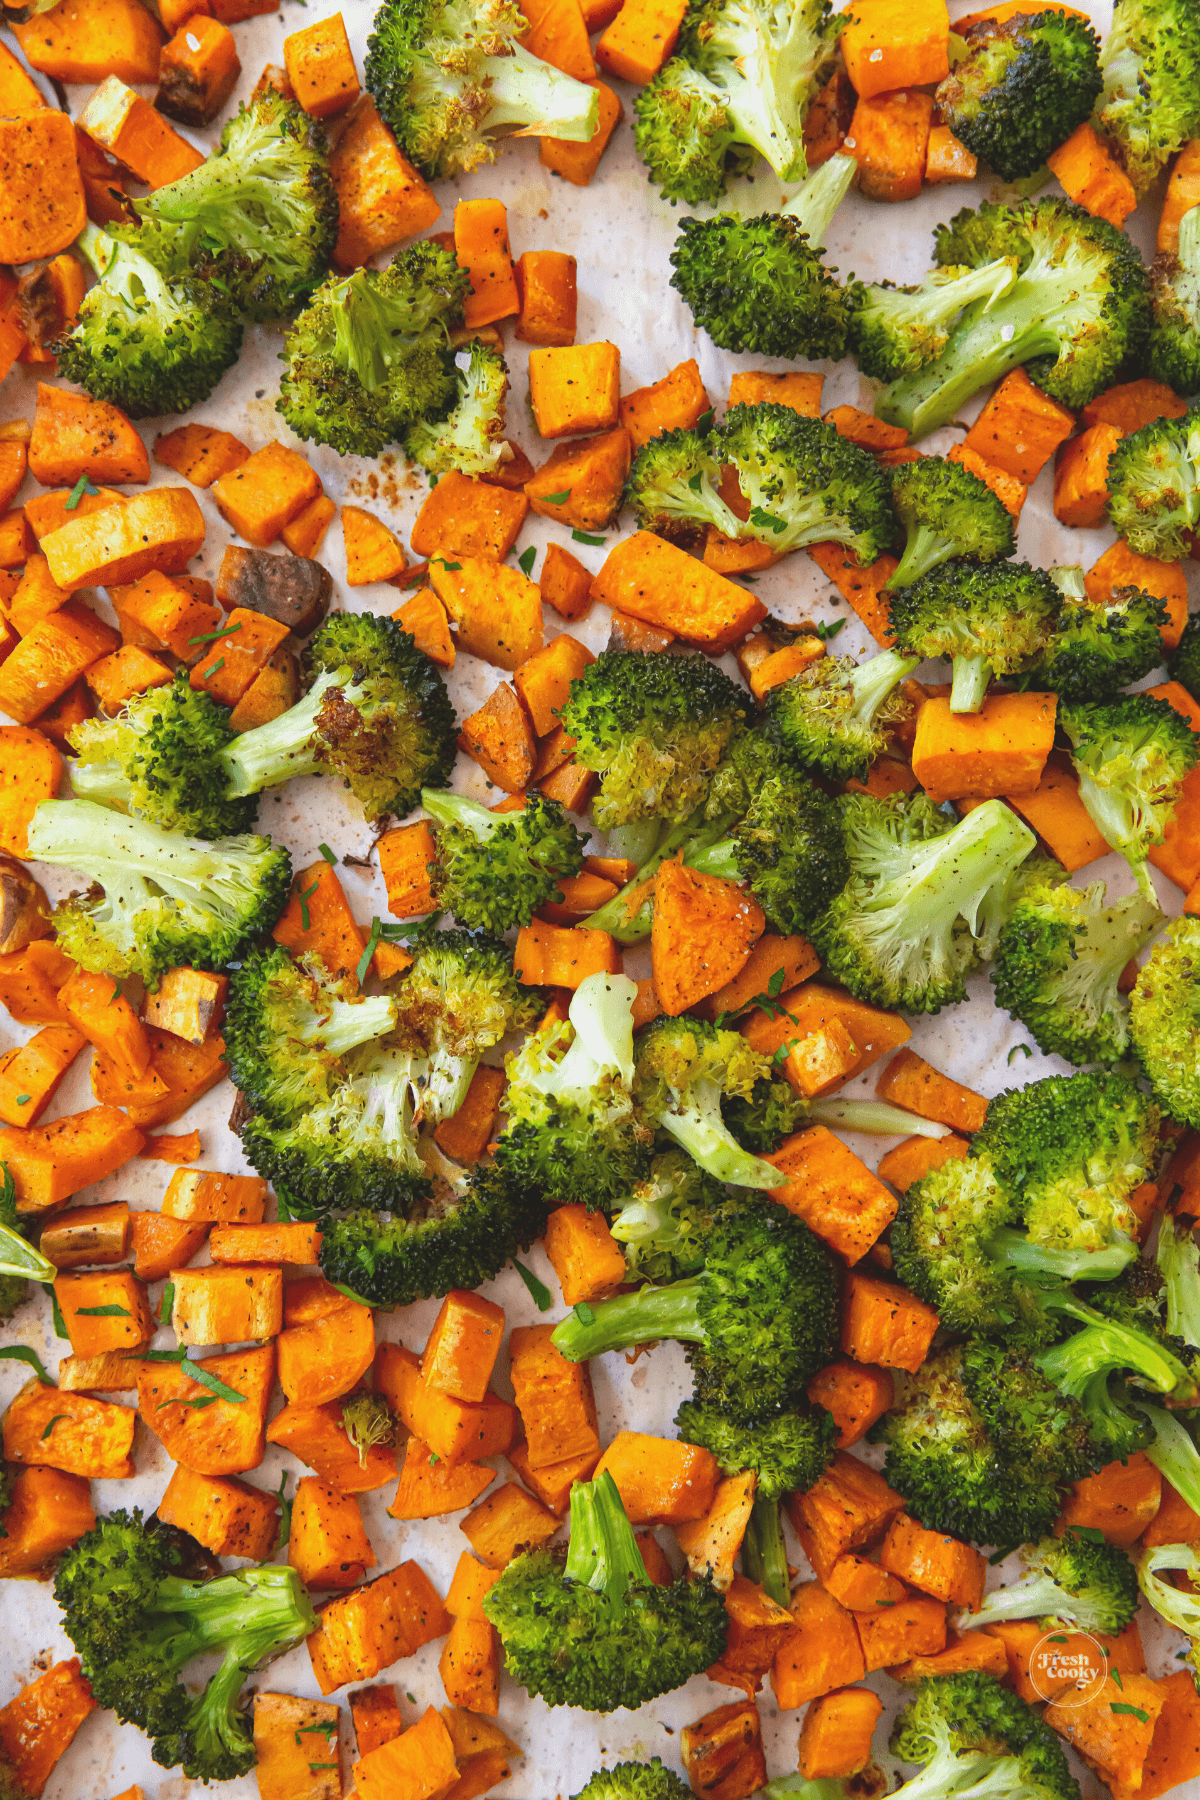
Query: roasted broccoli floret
x: 1076, y: 314
x: 1082, y: 1366
x: 147, y: 342
x: 805, y: 483
x: 973, y: 1736
x: 1164, y: 1020
x: 493, y: 870
x: 990, y: 618
x: 1070, y: 1581
x: 741, y: 80
x: 911, y: 924
x: 653, y: 728
x: 156, y: 899
x: 446, y: 75
x: 663, y: 1224
x: 762, y: 284
x: 471, y: 439
x: 946, y: 512
x: 759, y: 1316
x: 573, y: 1133
x: 587, y: 1627
x: 1175, y: 304
x: 259, y: 218
x: 1154, y: 487
x: 1058, y: 962
x: 1183, y: 665
x: 138, y: 1607
x: 634, y: 1781
x: 1132, y: 756
x: 1100, y: 647
x: 1151, y: 99
x: 370, y: 355
x: 673, y: 486
x: 835, y: 716
x: 896, y: 330
x: 1022, y: 88
x: 367, y: 1421
x: 684, y: 1070
x: 772, y: 1111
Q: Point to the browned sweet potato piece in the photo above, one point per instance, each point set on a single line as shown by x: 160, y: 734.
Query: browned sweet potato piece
x: 293, y: 590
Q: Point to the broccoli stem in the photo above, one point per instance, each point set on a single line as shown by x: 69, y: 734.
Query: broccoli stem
x: 1178, y: 1259
x: 456, y: 809
x: 1104, y: 1346
x: 1174, y: 1454
x: 284, y: 747
x: 697, y: 1126
x: 637, y: 840
x: 108, y: 845
x: 1011, y: 1249
x: 764, y: 1554
x: 924, y: 550
x: 951, y: 876
x: 348, y: 1023
x: 820, y: 196
x: 632, y: 1319
x: 526, y: 92
x: 969, y: 684
x: 873, y: 680
x: 875, y: 1118
x: 603, y: 1552
x: 614, y: 916
x: 104, y: 782
x: 1033, y: 1596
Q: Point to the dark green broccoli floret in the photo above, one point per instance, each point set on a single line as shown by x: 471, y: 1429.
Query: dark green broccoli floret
x: 741, y: 80
x: 370, y: 356
x: 1183, y: 665
x: 1151, y: 99
x: 259, y: 218
x: 770, y: 1112
x: 946, y: 512
x: 1076, y: 314
x: 149, y: 343
x: 973, y: 1736
x: 1154, y: 487
x: 662, y: 1226
x: 1058, y: 961
x: 654, y: 728
x: 587, y: 1627
x: 139, y: 1609
x: 446, y: 74
x: 634, y: 1781
x: 156, y: 899
x: 835, y: 716
x: 471, y: 438
x: 760, y: 1316
x: 1164, y: 1020
x: 1022, y: 88
x: 762, y: 284
x: 1038, y: 1431
x: 673, y: 486
x: 367, y: 1421
x: 1132, y: 757
x: 991, y: 618
x: 684, y: 1070
x: 805, y: 483
x: 493, y: 870
x: 573, y: 1133
x: 915, y: 918
x: 1071, y: 1581
x: 1175, y: 302
x: 1103, y: 646
x: 896, y: 330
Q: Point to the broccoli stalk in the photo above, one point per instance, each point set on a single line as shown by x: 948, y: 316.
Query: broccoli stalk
x: 494, y: 870
x: 1179, y: 1606
x: 895, y: 331
x: 834, y: 716
x: 1070, y: 1581
x: 764, y: 1552
x: 684, y: 1070
x: 1178, y: 1262
x: 1173, y: 1451
x: 1080, y: 1366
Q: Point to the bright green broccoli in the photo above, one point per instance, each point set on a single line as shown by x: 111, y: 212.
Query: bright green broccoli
x: 1083, y: 1365
x: 805, y: 483
x: 835, y: 717
x: 684, y: 1070
x: 1132, y: 756
x: 1175, y: 303
x: 1022, y: 88
x: 1077, y: 313
x: 1103, y: 646
x: 673, y: 486
x: 1154, y: 487
x: 973, y: 1736
x: 762, y: 285
x: 470, y: 440
x: 1070, y: 1581
x: 447, y: 75
x: 662, y: 1226
x: 947, y: 511
x: 587, y: 1627
x: 1164, y: 1020
x: 895, y: 331
x: 990, y: 618
x: 634, y: 1781
x: 493, y: 870
x: 1151, y: 99
x: 1183, y: 665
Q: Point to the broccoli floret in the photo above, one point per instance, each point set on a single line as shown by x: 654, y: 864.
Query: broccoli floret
x: 634, y: 1781
x: 1081, y: 1368
x: 587, y: 1627
x: 371, y: 355
x: 1058, y: 962
x: 768, y: 1114
x: 805, y: 483
x: 1132, y: 756
x: 445, y: 75
x: 836, y: 716
x: 1076, y: 314
x: 1183, y: 665
x: 1044, y: 1434
x: 259, y: 218
x: 1022, y: 88
x: 1164, y: 1020
x: 673, y: 487
x: 896, y: 330
x: 1154, y: 487
x: 1175, y: 304
x: 471, y: 439
x: 1071, y: 1581
x: 762, y: 285
x: 946, y: 512
x: 991, y: 618
x: 573, y: 1133
x: 157, y: 899
x: 760, y: 1315
x: 367, y: 1421
x: 149, y: 343
x: 742, y: 78
x: 662, y: 1227
x: 493, y: 870
x: 787, y: 847
x: 911, y: 923
x: 653, y: 728
x: 684, y: 1070
x: 1100, y: 648
x: 138, y: 1609
x: 1151, y: 99
x: 973, y: 1736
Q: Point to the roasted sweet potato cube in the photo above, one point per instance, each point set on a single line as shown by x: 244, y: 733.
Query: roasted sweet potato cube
x: 292, y: 590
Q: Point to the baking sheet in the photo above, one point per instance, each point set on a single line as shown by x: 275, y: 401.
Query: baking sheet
x: 621, y: 234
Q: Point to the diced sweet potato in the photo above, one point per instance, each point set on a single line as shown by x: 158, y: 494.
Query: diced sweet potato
x: 848, y: 1508
x: 48, y: 1511
x: 224, y: 1438
x: 1020, y: 428
x: 710, y: 1544
x: 466, y: 518
x: 917, y: 1155
x: 911, y: 1082
x: 658, y: 583
x: 39, y: 1724
x: 57, y: 1429
x: 935, y: 1563
x: 317, y: 1436
x: 1091, y: 175
x: 833, y: 1191
x: 722, y: 1753
x: 1001, y: 749
x: 660, y: 1480
x: 296, y: 1746
x: 228, y: 1517
x: 1081, y: 477
x: 366, y: 1631
x: 381, y: 197
x: 497, y: 611
x: 1120, y: 1501
x: 821, y: 1652
x: 327, y: 1543
x: 855, y: 1393
x: 914, y: 1626
x: 584, y: 1254
x: 889, y: 44
x: 455, y: 1429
